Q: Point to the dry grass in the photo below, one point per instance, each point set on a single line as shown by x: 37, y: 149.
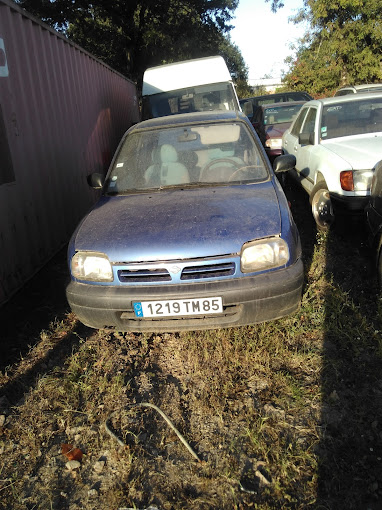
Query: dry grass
x: 286, y: 414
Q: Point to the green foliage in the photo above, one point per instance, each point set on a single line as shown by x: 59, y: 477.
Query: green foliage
x: 343, y: 45
x: 131, y: 36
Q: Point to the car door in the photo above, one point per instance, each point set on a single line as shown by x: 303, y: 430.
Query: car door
x: 305, y: 125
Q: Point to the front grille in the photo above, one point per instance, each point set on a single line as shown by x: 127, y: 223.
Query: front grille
x: 208, y: 271
x: 144, y: 275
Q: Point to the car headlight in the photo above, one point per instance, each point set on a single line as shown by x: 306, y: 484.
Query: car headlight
x: 91, y: 266
x: 263, y: 254
x: 356, y: 180
x: 273, y: 143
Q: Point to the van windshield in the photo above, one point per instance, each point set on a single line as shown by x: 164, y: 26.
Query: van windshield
x: 215, y: 96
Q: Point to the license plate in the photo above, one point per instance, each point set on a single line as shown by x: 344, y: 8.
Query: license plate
x: 178, y: 307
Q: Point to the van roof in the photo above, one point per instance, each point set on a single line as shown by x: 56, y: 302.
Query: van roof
x: 187, y: 73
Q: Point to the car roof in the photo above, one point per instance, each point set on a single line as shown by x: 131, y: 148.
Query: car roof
x: 191, y: 118
x: 345, y: 99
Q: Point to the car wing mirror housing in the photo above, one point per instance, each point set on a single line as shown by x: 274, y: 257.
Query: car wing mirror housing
x: 96, y: 180
x: 284, y: 163
x: 306, y: 138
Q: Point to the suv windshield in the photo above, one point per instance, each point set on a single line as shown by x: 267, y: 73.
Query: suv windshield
x: 194, y: 155
x: 352, y: 118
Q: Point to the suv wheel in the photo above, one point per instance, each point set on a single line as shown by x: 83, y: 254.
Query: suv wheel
x: 322, y: 207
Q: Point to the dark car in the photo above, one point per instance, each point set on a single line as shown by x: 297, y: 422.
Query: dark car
x: 249, y: 104
x: 374, y: 218
x: 271, y: 121
x: 192, y: 231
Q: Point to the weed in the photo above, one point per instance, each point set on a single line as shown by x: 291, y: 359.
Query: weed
x: 284, y: 414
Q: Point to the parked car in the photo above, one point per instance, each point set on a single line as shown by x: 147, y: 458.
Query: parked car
x: 358, y: 89
x: 374, y: 218
x: 337, y: 143
x: 270, y: 122
x: 249, y: 104
x: 192, y: 231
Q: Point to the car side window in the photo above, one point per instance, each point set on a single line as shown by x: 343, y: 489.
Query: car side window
x: 297, y: 125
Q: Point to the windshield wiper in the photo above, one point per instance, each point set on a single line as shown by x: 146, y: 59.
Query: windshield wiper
x: 131, y: 191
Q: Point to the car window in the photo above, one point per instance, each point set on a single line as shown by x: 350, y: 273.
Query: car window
x: 272, y: 98
x: 344, y: 92
x: 352, y: 118
x: 310, y: 121
x: 296, y: 96
x: 218, y: 153
x: 296, y: 128
x: 278, y: 114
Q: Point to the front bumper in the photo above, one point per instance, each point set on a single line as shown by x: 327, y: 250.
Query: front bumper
x: 349, y: 204
x: 246, y: 300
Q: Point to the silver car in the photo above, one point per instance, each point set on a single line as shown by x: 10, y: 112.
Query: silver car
x: 337, y: 142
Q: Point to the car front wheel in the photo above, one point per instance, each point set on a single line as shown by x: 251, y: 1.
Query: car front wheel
x: 322, y: 207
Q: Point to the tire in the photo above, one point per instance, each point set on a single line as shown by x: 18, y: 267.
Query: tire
x: 322, y: 207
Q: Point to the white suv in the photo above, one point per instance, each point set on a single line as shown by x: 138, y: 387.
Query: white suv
x: 337, y: 142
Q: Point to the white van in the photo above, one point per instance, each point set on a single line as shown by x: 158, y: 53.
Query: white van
x: 190, y: 86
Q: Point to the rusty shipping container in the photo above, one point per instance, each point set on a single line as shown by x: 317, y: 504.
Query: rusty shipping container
x: 62, y: 114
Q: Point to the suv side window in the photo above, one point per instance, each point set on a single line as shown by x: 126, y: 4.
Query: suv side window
x: 310, y: 121
x: 297, y: 125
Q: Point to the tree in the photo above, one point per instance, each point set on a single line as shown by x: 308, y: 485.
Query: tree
x: 343, y: 45
x: 131, y: 35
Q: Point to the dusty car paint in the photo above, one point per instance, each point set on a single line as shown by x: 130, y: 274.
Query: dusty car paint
x: 187, y: 245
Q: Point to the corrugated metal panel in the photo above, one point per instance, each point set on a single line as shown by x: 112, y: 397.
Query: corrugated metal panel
x: 62, y: 114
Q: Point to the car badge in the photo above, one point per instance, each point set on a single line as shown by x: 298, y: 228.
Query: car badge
x: 174, y: 269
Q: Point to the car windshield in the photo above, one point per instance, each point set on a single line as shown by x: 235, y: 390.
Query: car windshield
x: 351, y: 118
x: 195, y: 155
x: 280, y: 114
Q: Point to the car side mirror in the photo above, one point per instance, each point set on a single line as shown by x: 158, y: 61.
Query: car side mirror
x: 306, y: 138
x: 96, y: 180
x: 284, y: 163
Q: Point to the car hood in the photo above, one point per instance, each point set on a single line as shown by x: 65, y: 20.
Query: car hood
x: 361, y: 153
x: 178, y: 224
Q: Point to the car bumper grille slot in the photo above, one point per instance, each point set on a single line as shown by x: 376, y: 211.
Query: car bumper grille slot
x: 144, y: 275
x: 208, y: 271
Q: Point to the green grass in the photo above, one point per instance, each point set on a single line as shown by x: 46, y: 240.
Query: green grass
x: 289, y: 410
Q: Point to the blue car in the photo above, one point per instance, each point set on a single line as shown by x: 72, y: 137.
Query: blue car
x: 192, y: 231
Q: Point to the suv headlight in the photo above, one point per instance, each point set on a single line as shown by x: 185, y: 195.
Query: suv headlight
x: 362, y: 180
x: 263, y: 254
x: 356, y: 180
x: 91, y: 266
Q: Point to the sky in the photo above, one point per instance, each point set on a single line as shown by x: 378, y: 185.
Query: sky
x: 264, y: 37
